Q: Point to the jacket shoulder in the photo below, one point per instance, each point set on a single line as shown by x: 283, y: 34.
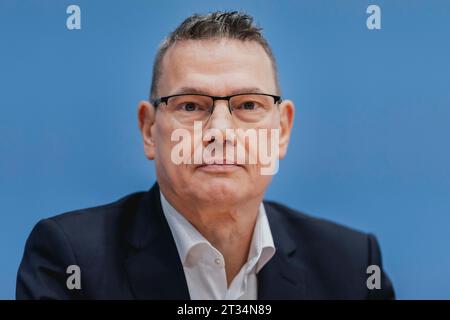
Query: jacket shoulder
x: 313, y: 226
x: 92, y: 232
x: 336, y: 256
x: 324, y: 242
x: 91, y: 216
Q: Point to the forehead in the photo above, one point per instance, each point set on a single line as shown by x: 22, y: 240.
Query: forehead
x: 216, y: 67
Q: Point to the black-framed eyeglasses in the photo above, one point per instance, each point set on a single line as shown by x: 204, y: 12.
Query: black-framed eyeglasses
x: 246, y: 107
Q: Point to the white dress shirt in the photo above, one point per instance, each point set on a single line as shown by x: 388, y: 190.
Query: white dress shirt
x: 203, y: 264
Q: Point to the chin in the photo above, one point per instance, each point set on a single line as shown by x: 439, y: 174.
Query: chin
x: 220, y: 190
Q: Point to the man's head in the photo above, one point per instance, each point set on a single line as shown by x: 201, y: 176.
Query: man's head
x: 219, y: 54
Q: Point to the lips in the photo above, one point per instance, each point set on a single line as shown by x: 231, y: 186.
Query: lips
x: 218, y: 168
x: 219, y: 162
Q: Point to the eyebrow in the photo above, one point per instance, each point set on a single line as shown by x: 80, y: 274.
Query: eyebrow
x: 187, y: 90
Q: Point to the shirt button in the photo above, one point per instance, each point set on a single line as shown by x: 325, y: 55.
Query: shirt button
x: 218, y: 261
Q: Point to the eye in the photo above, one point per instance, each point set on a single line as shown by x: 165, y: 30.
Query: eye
x: 248, y: 105
x: 189, y: 106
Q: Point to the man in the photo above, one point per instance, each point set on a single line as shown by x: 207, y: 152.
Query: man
x: 203, y: 231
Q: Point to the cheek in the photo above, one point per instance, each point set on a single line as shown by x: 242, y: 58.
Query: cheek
x: 168, y: 169
x: 266, y: 146
x: 162, y: 143
x: 163, y: 130
x: 163, y: 146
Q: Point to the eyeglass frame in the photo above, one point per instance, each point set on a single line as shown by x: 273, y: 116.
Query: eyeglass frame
x: 156, y: 102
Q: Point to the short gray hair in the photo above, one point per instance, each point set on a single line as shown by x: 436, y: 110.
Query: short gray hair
x: 215, y: 25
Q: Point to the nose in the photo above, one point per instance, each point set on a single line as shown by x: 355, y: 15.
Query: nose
x: 220, y: 120
x: 221, y: 117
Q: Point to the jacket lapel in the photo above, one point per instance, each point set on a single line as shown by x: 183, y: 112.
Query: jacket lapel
x: 285, y: 275
x: 153, y: 265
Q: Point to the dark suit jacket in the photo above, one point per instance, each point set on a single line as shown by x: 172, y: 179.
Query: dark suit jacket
x: 125, y: 250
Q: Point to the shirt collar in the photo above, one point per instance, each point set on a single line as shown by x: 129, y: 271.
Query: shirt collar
x: 187, y: 237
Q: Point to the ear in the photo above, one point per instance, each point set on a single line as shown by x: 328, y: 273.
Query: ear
x: 287, y: 110
x: 146, y: 119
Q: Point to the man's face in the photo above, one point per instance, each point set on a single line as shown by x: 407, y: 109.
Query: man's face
x: 219, y: 68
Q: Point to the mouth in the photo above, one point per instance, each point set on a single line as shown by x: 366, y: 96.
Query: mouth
x: 218, y: 168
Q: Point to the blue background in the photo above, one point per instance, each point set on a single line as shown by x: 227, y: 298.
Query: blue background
x: 369, y: 148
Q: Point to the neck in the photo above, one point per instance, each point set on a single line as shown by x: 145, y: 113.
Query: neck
x: 228, y: 228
